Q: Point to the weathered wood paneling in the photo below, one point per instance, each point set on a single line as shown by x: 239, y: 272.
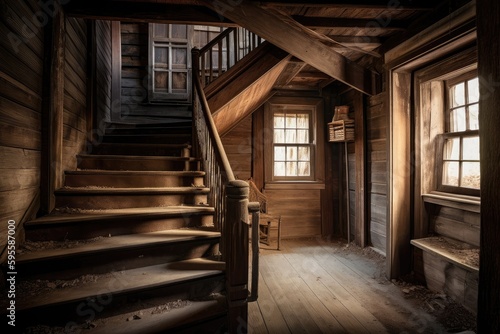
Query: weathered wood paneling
x: 377, y: 170
x: 300, y: 211
x: 134, y: 66
x: 21, y: 86
x: 103, y: 71
x: 75, y: 92
x: 238, y: 146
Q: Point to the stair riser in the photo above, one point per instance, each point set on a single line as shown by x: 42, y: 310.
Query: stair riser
x: 112, y: 201
x: 134, y: 164
x: 175, y: 138
x: 132, y: 181
x: 98, y: 228
x: 105, y: 305
x: 116, y: 260
x: 110, y: 149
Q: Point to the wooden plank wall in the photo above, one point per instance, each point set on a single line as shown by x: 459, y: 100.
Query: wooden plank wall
x: 21, y: 72
x: 134, y: 66
x: 103, y: 72
x: 351, y: 158
x: 377, y: 170
x: 300, y: 211
x: 238, y: 145
x: 75, y: 92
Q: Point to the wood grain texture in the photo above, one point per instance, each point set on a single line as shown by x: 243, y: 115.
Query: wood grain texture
x: 238, y: 146
x: 21, y: 89
x: 488, y: 13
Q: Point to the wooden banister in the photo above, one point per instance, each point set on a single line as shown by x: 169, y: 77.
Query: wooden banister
x: 229, y: 197
x: 230, y: 46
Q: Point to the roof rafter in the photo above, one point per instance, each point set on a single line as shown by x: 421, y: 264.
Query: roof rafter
x: 298, y: 40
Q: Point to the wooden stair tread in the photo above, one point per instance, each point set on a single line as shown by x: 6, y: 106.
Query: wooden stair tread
x: 138, y: 157
x: 134, y: 172
x: 126, y: 281
x: 120, y: 242
x: 116, y: 214
x: 134, y: 191
x: 195, y: 312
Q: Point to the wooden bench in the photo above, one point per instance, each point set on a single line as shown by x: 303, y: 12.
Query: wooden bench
x: 267, y: 222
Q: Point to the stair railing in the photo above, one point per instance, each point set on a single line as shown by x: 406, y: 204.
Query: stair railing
x: 224, y: 51
x: 229, y: 197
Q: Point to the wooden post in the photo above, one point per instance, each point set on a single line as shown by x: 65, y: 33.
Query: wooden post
x: 236, y: 236
x: 360, y: 230
x: 53, y: 110
x: 488, y: 28
x: 254, y: 210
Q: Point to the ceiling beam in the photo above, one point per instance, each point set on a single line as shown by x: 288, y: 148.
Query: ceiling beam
x: 299, y: 41
x: 138, y: 11
x: 336, y: 22
x: 425, y: 5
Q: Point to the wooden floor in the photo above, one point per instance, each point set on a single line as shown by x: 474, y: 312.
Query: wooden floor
x: 315, y: 286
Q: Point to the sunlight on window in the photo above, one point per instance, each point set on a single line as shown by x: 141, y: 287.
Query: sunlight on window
x: 461, y: 166
x: 292, y: 152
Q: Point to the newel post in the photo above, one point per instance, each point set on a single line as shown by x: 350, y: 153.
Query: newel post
x: 236, y: 236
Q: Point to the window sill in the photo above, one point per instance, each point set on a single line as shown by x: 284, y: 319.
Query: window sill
x: 462, y: 202
x: 307, y: 185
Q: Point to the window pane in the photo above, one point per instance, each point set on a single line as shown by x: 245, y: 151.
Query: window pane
x: 179, y: 31
x: 457, y: 120
x: 279, y: 169
x: 291, y: 153
x: 457, y: 95
x: 279, y: 120
x: 451, y: 149
x: 471, y: 148
x: 161, y: 81
x: 179, y: 58
x: 279, y: 154
x: 161, y: 57
x: 304, y: 154
x: 160, y: 30
x: 291, y: 121
x: 291, y: 168
x: 474, y: 117
x: 179, y: 81
x: 303, y: 136
x: 303, y: 121
x: 304, y: 169
x: 473, y: 87
x: 291, y: 136
x: 450, y: 173
x: 470, y: 175
x: 279, y: 136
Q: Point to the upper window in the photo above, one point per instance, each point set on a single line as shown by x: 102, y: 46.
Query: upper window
x: 292, y: 145
x: 169, y: 62
x: 459, y: 145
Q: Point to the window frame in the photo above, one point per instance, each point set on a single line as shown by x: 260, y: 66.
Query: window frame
x: 310, y: 145
x: 449, y: 82
x: 170, y: 43
x: 316, y: 139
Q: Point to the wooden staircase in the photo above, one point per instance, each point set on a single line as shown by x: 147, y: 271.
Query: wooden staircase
x: 146, y: 259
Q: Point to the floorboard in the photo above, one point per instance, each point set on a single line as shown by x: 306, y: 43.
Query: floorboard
x: 318, y: 286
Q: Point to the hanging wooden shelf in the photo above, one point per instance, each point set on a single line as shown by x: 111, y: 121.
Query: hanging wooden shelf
x: 341, y: 130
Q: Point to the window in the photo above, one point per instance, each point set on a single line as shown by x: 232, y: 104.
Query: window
x: 292, y: 145
x: 293, y: 142
x: 458, y: 150
x: 170, y: 59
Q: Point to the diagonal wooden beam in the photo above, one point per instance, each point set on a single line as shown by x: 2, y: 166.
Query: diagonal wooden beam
x: 298, y: 40
x: 342, y: 22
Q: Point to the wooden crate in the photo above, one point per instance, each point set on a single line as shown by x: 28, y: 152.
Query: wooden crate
x: 341, y: 130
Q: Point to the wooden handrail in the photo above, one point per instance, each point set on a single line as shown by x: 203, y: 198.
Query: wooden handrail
x: 214, y: 134
x: 216, y: 40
